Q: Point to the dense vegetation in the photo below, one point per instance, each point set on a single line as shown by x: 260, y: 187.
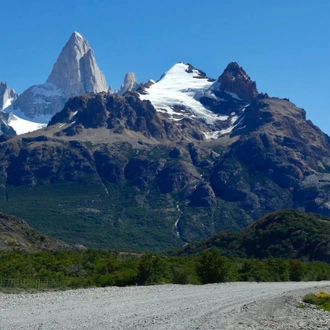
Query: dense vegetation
x: 87, y: 215
x: 100, y: 268
x: 289, y: 234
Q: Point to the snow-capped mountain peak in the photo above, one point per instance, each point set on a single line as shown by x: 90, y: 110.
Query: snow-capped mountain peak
x: 178, y: 91
x: 186, y: 92
x: 22, y: 126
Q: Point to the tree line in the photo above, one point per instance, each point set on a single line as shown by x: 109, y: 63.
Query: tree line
x: 110, y: 268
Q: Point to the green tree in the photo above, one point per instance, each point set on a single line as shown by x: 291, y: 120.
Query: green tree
x: 296, y: 270
x: 212, y: 267
x: 255, y: 270
x: 279, y: 269
x: 152, y: 269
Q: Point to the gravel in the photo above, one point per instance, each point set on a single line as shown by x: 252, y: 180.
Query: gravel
x: 215, y: 306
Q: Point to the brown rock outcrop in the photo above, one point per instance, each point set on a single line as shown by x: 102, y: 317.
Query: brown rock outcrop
x: 235, y: 80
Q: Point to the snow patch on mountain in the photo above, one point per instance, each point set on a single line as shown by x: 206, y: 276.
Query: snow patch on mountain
x: 213, y: 135
x: 178, y: 91
x: 22, y: 126
x: 42, y: 119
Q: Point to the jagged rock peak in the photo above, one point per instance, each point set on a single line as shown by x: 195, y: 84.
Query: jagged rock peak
x: 130, y: 83
x: 235, y: 80
x: 78, y: 63
x: 7, y: 95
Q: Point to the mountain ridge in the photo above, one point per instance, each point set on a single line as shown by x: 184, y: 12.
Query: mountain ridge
x: 288, y: 234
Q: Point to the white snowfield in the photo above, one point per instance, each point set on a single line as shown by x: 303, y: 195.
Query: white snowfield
x: 179, y: 88
x: 178, y: 94
x: 22, y: 126
x: 217, y: 306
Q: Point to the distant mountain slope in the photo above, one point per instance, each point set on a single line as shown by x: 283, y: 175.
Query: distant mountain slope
x: 282, y: 234
x: 16, y: 234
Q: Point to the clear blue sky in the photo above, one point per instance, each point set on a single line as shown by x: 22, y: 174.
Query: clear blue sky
x: 283, y: 45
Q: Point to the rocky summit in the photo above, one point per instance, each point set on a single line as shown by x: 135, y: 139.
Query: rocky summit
x: 130, y: 84
x: 166, y: 164
x: 82, y: 74
x: 7, y: 96
x: 235, y: 80
x: 75, y: 72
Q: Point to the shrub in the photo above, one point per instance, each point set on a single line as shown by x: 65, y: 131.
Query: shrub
x: 322, y: 300
x: 212, y: 267
x: 152, y: 269
x: 296, y: 270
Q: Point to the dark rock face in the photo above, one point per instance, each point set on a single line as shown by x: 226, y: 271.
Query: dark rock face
x: 113, y: 112
x: 141, y: 172
x: 278, y: 150
x: 203, y: 196
x: 118, y: 113
x: 231, y: 180
x: 175, y: 176
x: 110, y: 168
x: 235, y: 80
x: 47, y: 163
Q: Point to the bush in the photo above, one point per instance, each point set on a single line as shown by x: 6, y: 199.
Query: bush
x: 322, y: 300
x: 152, y: 269
x: 296, y: 270
x: 213, y: 268
x: 180, y: 276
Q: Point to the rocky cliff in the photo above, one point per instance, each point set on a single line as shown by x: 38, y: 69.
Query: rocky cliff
x: 235, y: 80
x: 130, y: 84
x: 75, y: 71
x: 7, y: 96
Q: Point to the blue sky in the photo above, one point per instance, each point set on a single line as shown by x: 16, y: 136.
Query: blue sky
x: 283, y: 45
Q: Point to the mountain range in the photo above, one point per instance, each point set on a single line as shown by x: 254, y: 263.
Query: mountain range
x: 160, y: 164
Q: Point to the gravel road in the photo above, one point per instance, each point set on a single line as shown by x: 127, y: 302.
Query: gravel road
x: 216, y: 306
